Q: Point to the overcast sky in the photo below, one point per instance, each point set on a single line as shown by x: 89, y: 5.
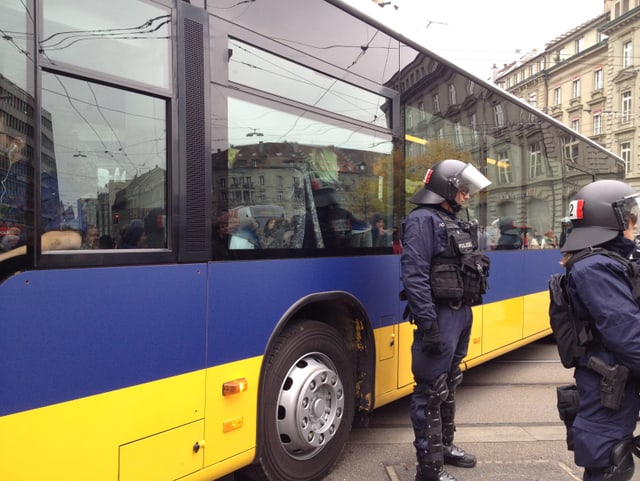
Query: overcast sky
x: 475, y: 34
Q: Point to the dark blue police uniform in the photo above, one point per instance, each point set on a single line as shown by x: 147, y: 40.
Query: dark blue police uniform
x: 599, y: 288
x: 424, y: 236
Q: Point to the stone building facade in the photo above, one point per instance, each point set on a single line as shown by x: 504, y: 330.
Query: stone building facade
x: 588, y: 79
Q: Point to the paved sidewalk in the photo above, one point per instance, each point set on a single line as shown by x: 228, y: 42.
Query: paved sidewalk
x: 506, y: 416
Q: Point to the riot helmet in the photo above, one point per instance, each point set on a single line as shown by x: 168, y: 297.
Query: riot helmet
x: 444, y: 180
x: 600, y: 212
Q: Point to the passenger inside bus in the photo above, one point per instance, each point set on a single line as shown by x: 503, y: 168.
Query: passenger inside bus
x: 339, y: 227
x: 509, y: 234
x: 272, y: 235
x: 380, y: 237
x: 134, y: 236
x: 246, y: 235
x: 55, y: 240
x: 91, y: 238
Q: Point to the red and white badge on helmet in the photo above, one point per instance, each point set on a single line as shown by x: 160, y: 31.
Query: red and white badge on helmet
x: 427, y: 176
x: 576, y: 209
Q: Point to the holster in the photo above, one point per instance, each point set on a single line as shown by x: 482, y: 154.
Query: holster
x: 568, y: 404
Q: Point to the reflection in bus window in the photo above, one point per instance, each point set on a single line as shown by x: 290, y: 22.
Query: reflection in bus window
x: 13, y: 193
x: 100, y: 36
x: 100, y: 176
x: 533, y: 164
x: 292, y: 181
x: 302, y: 84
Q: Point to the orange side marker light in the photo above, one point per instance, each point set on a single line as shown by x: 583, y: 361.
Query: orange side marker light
x: 234, y: 387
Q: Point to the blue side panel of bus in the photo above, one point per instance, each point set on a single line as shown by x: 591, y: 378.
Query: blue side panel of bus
x: 70, y: 333
x: 66, y: 334
x: 518, y: 273
x: 261, y: 292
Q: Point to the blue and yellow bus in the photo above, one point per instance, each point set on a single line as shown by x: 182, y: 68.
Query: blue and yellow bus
x: 199, y: 212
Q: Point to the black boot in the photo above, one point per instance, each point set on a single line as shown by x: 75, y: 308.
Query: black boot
x: 455, y: 456
x: 426, y: 472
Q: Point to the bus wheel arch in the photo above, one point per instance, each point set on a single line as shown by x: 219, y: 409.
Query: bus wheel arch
x: 312, y: 377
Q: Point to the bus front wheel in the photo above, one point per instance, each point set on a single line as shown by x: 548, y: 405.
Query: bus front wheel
x: 307, y: 403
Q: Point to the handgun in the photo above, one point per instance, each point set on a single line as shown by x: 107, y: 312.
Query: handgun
x: 612, y: 382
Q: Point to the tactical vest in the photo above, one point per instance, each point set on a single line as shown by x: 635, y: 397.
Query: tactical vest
x: 574, y: 336
x: 459, y: 274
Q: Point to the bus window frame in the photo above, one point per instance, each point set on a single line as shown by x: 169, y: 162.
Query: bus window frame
x: 37, y: 258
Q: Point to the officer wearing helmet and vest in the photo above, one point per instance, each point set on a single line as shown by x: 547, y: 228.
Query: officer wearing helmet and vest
x: 600, y: 290
x: 434, y: 241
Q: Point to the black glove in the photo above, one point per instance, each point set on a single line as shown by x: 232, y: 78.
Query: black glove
x: 431, y: 339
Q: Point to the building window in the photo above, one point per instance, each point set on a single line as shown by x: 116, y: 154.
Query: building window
x: 575, y: 124
x: 421, y: 111
x: 557, y: 96
x: 625, y: 153
x: 504, y: 168
x: 535, y: 161
x: 570, y: 148
x: 470, y: 87
x: 474, y: 128
x: 627, y: 52
x: 576, y: 88
x: 452, y: 94
x: 459, y: 137
x: 597, y: 79
x: 531, y: 70
x: 533, y: 100
x: 436, y: 103
x: 579, y: 44
x: 597, y: 123
x: 626, y: 106
x: 499, y: 116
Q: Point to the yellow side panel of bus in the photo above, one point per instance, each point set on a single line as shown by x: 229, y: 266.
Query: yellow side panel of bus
x: 231, y: 420
x: 386, y: 362
x: 536, y: 313
x: 501, y: 323
x: 80, y: 440
x: 157, y: 458
x: 405, y: 338
x: 475, y: 340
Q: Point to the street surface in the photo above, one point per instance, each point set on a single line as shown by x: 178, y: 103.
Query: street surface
x: 506, y: 416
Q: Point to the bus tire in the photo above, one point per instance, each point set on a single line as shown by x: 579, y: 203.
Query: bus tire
x: 308, y: 403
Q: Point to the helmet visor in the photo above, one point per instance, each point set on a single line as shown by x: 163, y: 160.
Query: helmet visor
x: 471, y: 181
x: 627, y: 209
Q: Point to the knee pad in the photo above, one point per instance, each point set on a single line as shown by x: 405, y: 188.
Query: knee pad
x: 455, y: 378
x: 439, y: 391
x: 622, y: 467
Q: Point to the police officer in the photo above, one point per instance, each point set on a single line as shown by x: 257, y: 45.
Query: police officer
x: 434, y: 241
x: 599, y: 288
